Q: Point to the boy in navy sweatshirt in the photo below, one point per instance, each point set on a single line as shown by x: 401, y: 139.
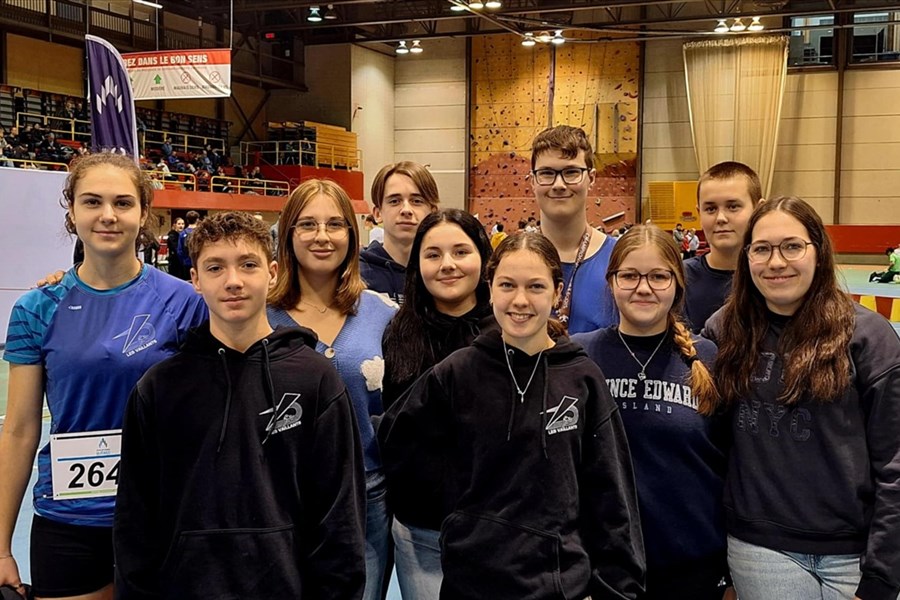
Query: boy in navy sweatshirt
x: 241, y: 472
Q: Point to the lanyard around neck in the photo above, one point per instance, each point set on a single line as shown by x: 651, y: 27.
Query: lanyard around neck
x: 565, y: 306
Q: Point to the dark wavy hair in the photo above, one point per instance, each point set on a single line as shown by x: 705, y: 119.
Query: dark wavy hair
x: 546, y: 251
x: 815, y: 345
x: 406, y: 348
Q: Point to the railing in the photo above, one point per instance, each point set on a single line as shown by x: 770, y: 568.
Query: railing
x: 78, y: 130
x: 173, y: 181
x: 27, y: 163
x: 73, y: 129
x: 302, y: 152
x: 246, y: 185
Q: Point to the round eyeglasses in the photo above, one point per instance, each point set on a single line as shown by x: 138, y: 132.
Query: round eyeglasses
x: 570, y: 175
x: 790, y: 249
x: 658, y: 279
x: 307, y: 229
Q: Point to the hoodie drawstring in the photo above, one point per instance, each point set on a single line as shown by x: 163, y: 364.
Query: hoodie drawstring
x: 544, y: 411
x: 227, y: 399
x: 270, y: 390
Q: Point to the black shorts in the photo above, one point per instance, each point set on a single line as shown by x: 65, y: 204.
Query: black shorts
x: 69, y: 560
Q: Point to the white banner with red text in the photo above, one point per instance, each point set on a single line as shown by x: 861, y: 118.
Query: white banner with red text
x: 179, y: 74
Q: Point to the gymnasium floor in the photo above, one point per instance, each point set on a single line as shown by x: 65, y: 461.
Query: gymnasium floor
x: 855, y: 277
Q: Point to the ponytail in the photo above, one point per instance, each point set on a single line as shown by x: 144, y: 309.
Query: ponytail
x: 701, y: 381
x: 556, y: 328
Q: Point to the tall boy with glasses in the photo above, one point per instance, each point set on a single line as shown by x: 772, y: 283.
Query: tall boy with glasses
x: 726, y: 196
x: 562, y: 172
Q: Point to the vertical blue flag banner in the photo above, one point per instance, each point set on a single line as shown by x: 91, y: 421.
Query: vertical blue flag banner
x: 113, y: 126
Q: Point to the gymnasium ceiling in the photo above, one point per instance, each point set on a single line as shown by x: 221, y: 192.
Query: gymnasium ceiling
x: 383, y: 21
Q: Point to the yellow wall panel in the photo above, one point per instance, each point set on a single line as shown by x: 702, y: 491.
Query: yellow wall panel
x: 40, y: 65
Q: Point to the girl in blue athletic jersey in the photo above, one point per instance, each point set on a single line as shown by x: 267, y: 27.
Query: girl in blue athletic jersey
x: 84, y: 342
x: 657, y: 374
x: 319, y: 287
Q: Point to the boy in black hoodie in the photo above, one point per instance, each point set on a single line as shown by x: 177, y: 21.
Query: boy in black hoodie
x: 244, y: 480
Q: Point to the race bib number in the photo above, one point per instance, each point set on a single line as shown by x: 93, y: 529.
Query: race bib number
x: 85, y: 465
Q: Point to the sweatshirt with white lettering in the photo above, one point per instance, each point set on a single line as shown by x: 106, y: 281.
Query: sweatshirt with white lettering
x: 540, y: 486
x: 679, y: 455
x: 823, y: 477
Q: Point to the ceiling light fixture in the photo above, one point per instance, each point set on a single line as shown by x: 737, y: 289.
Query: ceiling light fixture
x: 528, y: 40
x: 330, y: 14
x: 457, y: 7
x: 722, y: 27
x: 558, y: 38
x: 477, y: 5
x: 416, y: 48
x: 755, y: 25
x: 402, y: 49
x: 314, y: 16
x: 544, y: 37
x: 738, y: 25
x: 493, y: 4
x: 148, y: 3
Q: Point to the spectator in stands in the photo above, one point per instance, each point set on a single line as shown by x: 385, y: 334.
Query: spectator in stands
x: 167, y: 148
x: 12, y: 136
x: 678, y: 234
x: 498, y: 236
x: 192, y: 218
x: 176, y: 269
x: 376, y: 233
x: 49, y: 149
x: 220, y: 184
x: 66, y: 111
x: 83, y: 117
x: 403, y: 193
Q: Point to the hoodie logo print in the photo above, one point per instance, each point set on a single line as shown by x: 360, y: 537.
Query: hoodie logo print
x: 140, y: 336
x: 565, y: 416
x: 287, y: 418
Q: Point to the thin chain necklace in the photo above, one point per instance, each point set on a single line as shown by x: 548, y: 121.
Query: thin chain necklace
x: 519, y: 390
x: 321, y: 311
x: 643, y: 374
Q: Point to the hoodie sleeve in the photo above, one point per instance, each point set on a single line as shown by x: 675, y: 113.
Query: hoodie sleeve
x: 614, y: 539
x: 878, y: 384
x: 138, y: 548
x: 335, y: 566
x: 414, y: 440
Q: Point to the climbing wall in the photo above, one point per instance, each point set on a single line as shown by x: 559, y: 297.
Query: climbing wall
x: 594, y: 86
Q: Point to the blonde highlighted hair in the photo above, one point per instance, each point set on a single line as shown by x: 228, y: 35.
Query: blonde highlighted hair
x: 641, y: 236
x: 287, y: 293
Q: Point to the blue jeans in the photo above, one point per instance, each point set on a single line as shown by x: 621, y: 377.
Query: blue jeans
x: 417, y: 557
x: 761, y: 574
x: 378, y: 527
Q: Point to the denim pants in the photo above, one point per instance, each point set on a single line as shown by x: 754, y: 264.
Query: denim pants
x: 761, y: 573
x: 378, y: 527
x: 417, y: 557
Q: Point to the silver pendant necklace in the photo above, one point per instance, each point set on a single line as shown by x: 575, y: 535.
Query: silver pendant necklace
x: 519, y: 390
x: 643, y: 374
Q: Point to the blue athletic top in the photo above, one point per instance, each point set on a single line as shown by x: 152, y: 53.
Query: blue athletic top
x: 592, y: 305
x: 357, y: 356
x: 94, y: 345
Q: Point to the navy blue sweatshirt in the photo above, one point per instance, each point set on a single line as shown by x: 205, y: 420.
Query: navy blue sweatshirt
x: 705, y: 291
x: 382, y: 273
x: 679, y: 455
x: 823, y: 477
x: 542, y: 489
x: 241, y: 476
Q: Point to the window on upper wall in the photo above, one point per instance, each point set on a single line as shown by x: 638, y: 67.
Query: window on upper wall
x: 876, y: 37
x: 812, y: 41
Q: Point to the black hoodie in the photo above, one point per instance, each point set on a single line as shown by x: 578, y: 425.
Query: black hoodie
x: 241, y: 476
x: 541, y: 490
x: 382, y: 273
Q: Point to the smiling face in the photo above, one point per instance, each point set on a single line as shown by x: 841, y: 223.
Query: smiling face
x: 402, y: 209
x: 561, y: 201
x: 322, y: 253
x: 106, y: 211
x: 782, y: 283
x: 450, y: 266
x: 234, y: 279
x: 523, y: 295
x: 725, y: 209
x: 643, y: 310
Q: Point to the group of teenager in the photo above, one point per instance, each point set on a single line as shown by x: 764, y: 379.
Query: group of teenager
x: 540, y: 420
